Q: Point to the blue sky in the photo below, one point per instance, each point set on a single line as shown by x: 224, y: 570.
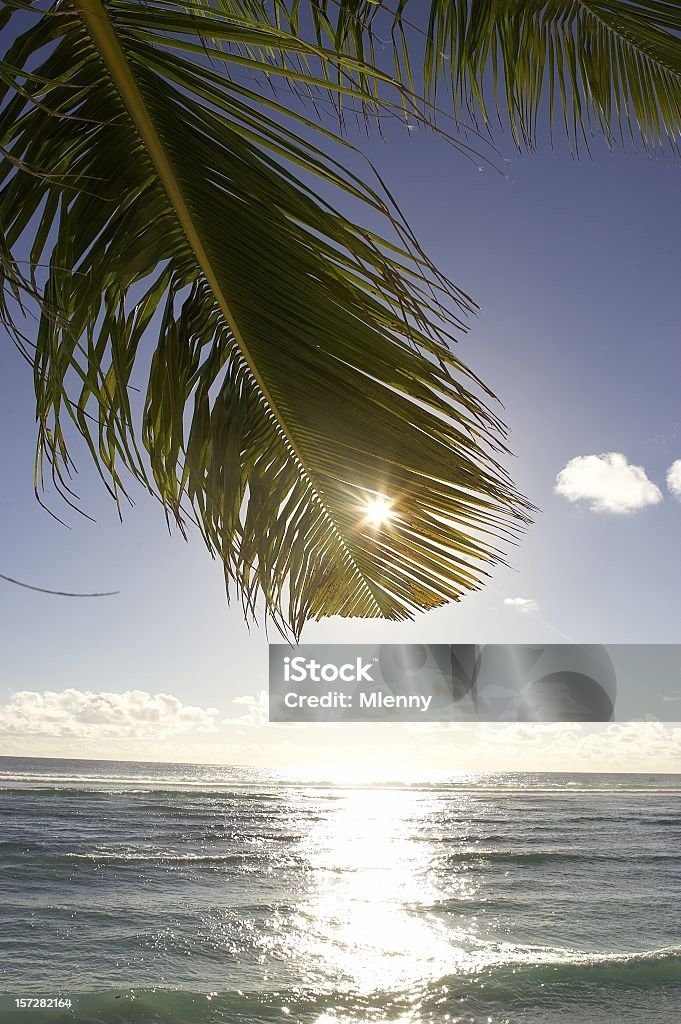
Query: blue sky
x: 576, y: 268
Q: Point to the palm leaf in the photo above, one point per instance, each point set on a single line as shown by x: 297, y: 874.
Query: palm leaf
x: 297, y: 362
x: 606, y: 65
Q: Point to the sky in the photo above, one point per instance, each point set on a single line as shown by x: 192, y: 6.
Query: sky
x: 575, y: 265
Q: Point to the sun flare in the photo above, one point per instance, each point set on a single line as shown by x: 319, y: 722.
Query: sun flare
x: 378, y: 510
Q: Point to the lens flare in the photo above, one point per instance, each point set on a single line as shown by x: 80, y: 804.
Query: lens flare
x: 378, y: 510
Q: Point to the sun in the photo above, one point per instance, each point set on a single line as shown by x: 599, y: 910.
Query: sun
x: 378, y: 510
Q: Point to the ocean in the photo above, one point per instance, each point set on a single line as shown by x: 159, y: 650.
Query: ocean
x: 194, y: 894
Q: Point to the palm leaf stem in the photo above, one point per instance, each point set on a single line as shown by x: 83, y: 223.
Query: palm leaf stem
x: 98, y: 23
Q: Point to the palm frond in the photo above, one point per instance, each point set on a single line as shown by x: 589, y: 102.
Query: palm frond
x: 608, y: 65
x: 297, y: 362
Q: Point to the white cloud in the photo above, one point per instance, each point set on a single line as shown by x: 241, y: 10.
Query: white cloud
x: 82, y: 714
x: 257, y: 711
x: 365, y: 750
x: 522, y: 604
x: 674, y: 478
x: 609, y: 482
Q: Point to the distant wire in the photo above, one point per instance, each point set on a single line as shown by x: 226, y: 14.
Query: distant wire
x: 57, y: 593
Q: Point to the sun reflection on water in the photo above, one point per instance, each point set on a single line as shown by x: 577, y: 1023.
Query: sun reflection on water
x: 371, y: 916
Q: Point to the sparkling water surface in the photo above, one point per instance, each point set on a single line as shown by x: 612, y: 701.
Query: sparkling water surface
x: 187, y: 893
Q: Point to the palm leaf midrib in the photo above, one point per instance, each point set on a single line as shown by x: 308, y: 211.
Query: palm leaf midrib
x: 102, y: 31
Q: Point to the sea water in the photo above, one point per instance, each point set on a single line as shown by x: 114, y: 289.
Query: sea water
x: 194, y: 894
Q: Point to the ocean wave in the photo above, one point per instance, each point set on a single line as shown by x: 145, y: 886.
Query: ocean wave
x: 512, y: 971
x: 139, y: 859
x: 272, y: 788
x: 163, y: 858
x: 171, y: 1006
x: 555, y: 856
x: 122, y: 787
x: 538, y: 980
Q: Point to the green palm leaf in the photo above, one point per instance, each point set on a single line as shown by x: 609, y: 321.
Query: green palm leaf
x: 611, y: 65
x: 297, y: 363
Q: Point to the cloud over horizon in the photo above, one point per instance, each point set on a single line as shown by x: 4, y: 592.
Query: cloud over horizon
x: 609, y: 482
x: 674, y: 479
x: 257, y: 709
x: 157, y: 727
x: 84, y: 714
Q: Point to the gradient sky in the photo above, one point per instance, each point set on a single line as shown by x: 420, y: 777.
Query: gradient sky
x: 576, y: 267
